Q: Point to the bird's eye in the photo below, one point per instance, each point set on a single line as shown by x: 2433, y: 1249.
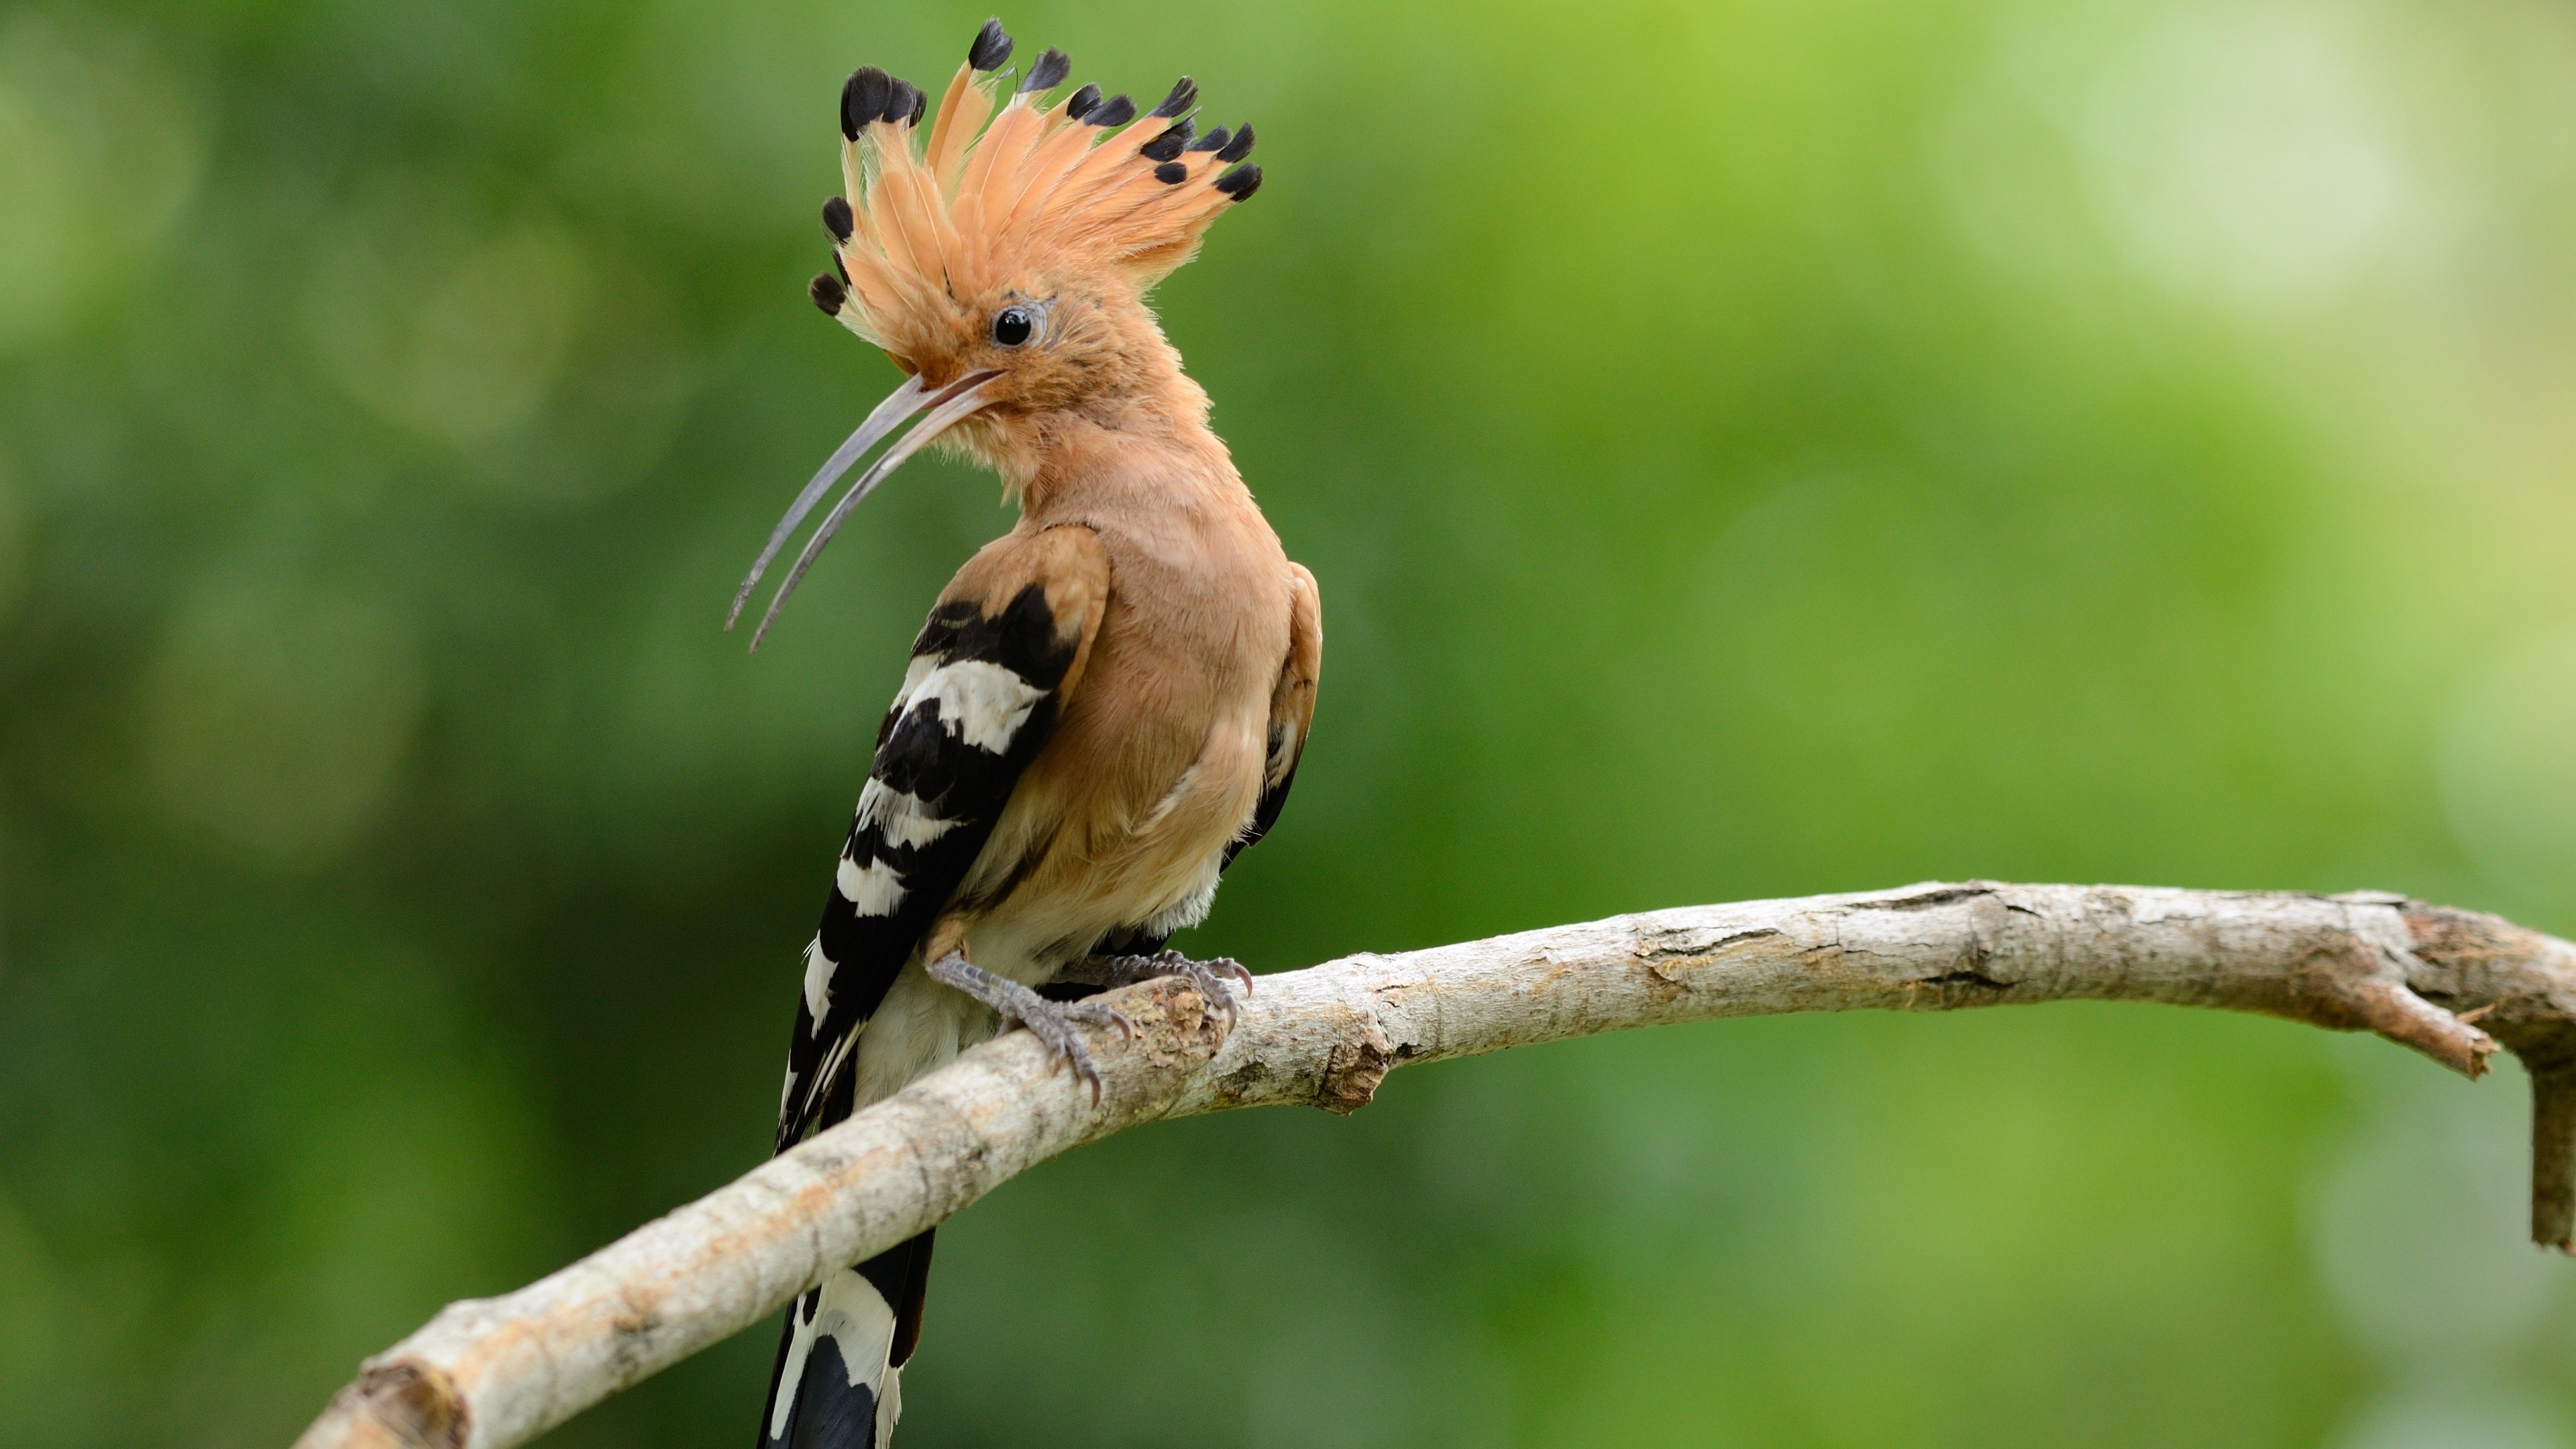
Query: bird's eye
x: 1012, y: 326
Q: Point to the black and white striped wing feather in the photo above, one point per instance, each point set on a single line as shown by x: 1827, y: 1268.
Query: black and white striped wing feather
x: 978, y: 701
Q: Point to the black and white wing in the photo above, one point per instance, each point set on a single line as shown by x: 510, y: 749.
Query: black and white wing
x: 988, y: 680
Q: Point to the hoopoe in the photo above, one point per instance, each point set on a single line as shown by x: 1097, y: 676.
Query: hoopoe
x: 1107, y: 703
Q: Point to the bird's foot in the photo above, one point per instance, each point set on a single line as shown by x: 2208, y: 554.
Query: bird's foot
x: 1209, y: 977
x: 1051, y: 1022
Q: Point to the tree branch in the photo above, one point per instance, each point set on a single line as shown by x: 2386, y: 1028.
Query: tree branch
x: 489, y: 1373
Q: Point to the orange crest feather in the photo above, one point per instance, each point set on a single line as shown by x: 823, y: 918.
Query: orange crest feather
x: 1080, y: 188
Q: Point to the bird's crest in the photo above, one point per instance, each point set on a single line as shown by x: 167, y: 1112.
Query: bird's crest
x: 984, y: 195
x: 999, y: 254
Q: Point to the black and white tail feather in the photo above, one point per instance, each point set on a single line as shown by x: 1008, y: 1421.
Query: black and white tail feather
x: 840, y: 1358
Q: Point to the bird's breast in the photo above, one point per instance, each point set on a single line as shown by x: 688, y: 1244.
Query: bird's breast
x: 1157, y: 761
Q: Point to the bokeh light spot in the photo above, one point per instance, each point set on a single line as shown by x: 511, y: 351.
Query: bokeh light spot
x: 2508, y: 766
x: 453, y: 335
x: 279, y: 722
x: 2238, y: 157
x: 99, y: 152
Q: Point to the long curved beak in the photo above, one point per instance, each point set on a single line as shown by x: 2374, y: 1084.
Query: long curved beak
x: 945, y: 405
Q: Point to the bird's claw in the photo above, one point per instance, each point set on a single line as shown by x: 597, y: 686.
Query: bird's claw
x: 1051, y: 1022
x: 1095, y: 1014
x: 1208, y: 976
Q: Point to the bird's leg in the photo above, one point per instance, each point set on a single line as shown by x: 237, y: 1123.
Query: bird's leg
x: 1208, y: 976
x: 1051, y: 1021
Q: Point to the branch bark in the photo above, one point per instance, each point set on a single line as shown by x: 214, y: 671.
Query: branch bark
x: 489, y: 1373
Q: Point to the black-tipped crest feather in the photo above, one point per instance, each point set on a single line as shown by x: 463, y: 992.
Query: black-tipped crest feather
x: 828, y: 293
x: 1048, y: 72
x: 837, y: 219
x: 1240, y: 182
x: 992, y: 46
x: 1184, y: 91
x: 1238, y: 148
x: 1116, y: 111
x: 1168, y: 145
x: 1213, y: 141
x: 863, y: 99
x: 904, y: 101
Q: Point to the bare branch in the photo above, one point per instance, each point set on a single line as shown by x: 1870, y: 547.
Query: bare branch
x: 494, y: 1372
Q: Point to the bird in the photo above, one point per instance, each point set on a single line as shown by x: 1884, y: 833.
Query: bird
x: 1106, y: 705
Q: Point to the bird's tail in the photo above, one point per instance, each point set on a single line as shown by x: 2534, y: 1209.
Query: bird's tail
x: 840, y: 1356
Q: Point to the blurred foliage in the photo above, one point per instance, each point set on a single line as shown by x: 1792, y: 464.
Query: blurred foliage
x: 1746, y: 449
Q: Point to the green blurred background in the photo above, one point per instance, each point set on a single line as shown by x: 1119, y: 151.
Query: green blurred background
x: 1746, y: 450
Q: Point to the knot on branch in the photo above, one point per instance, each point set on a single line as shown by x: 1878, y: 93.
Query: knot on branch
x: 399, y: 1405
x: 2469, y: 959
x: 1177, y: 1030
x: 2366, y: 988
x: 1329, y: 1049
x: 1352, y: 1072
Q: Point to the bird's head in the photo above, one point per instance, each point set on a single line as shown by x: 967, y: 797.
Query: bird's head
x: 1004, y: 266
